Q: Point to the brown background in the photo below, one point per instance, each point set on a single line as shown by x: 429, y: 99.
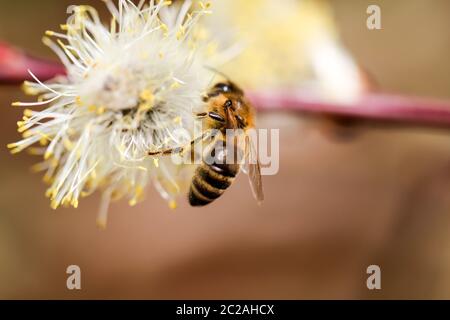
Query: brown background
x: 382, y: 197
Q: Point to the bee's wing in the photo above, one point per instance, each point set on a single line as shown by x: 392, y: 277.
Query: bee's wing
x: 253, y: 170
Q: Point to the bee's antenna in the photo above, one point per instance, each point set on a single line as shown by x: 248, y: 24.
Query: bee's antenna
x: 218, y: 72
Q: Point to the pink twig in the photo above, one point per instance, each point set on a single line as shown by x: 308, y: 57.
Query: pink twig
x: 371, y: 106
x: 14, y: 65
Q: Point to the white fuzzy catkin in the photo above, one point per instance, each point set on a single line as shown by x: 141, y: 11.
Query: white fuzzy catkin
x: 128, y: 87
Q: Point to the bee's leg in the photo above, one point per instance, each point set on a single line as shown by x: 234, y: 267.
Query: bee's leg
x: 201, y: 115
x: 213, y: 115
x: 165, y: 152
x: 178, y: 150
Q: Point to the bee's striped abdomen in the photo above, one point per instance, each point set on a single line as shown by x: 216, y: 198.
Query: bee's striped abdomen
x: 210, y: 182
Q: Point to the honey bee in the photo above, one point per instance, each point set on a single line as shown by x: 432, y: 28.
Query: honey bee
x: 226, y: 108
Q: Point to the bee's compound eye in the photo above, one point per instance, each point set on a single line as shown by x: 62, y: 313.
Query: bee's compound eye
x: 223, y: 87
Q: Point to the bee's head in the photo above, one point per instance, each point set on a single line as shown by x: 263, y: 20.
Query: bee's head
x: 230, y: 104
x: 227, y: 87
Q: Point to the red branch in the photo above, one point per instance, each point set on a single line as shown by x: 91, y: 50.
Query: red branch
x: 371, y: 106
x: 14, y: 64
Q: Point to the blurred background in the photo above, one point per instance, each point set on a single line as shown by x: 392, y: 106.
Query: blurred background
x: 337, y: 206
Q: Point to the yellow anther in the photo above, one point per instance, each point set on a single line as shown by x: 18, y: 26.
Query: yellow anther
x: 48, y: 192
x: 49, y: 33
x: 54, y: 162
x: 11, y: 145
x: 37, y: 167
x: 173, y: 204
x: 92, y: 108
x: 54, y: 205
x: 43, y: 141
x: 47, y: 41
x: 47, y: 179
x: 139, y: 191
x: 132, y: 202
x: 16, y: 104
x: 78, y: 101
x: 101, y: 223
x: 156, y: 162
x: 165, y: 29
x: 175, y: 85
x: 147, y: 95
x: 28, y: 89
x: 27, y: 134
x: 28, y: 112
x: 64, y: 27
x: 101, y: 110
x: 34, y: 151
x: 68, y: 144
x: 181, y: 32
x: 48, y: 154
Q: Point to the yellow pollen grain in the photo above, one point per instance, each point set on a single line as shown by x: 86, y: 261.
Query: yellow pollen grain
x: 147, y: 95
x: 156, y: 162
